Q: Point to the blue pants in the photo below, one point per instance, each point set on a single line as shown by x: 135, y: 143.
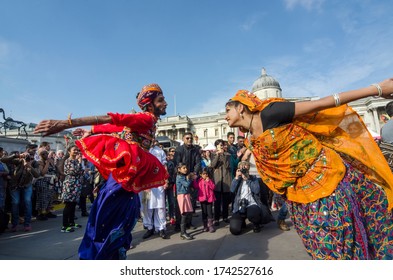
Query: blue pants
x: 112, y: 218
x: 26, y: 194
x: 2, y: 194
x: 282, y: 214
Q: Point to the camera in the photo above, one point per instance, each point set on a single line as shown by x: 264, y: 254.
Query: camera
x: 26, y: 157
x: 243, y: 203
x: 244, y: 171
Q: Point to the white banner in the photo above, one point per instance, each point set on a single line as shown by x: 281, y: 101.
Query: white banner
x: 180, y: 269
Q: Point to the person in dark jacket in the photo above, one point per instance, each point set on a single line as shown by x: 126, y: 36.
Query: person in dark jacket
x: 221, y: 164
x: 189, y: 154
x: 247, y: 203
x: 170, y: 190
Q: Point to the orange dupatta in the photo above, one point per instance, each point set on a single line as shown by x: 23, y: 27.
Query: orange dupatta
x: 329, y: 136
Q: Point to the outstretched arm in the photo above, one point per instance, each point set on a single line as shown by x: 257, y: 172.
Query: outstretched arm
x: 48, y: 127
x: 302, y: 108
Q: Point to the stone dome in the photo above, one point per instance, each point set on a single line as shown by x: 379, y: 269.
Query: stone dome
x: 265, y: 81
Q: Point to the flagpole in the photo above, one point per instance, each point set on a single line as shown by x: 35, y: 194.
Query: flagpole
x: 174, y: 97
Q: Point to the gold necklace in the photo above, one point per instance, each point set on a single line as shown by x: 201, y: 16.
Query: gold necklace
x: 248, y: 136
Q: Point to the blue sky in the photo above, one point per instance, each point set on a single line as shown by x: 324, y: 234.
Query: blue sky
x: 91, y: 57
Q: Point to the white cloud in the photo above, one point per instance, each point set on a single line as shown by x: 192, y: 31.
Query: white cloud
x: 328, y: 65
x: 4, y: 50
x: 249, y: 23
x: 319, y: 45
x: 307, y: 4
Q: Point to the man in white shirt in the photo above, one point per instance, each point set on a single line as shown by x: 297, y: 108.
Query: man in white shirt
x: 153, y: 201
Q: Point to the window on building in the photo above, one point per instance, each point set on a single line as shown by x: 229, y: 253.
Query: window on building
x: 216, y: 132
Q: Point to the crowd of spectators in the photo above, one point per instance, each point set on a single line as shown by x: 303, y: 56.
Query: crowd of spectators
x: 32, y: 182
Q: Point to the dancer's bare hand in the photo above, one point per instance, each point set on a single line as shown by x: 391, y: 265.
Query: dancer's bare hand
x: 48, y: 127
x: 81, y: 132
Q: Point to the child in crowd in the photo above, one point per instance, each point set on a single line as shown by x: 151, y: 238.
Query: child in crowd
x: 183, y: 185
x: 205, y: 187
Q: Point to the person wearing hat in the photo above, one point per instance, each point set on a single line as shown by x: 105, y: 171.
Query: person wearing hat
x: 118, y: 145
x: 338, y: 189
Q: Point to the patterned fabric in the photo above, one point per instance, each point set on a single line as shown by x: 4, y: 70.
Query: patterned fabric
x: 44, y: 187
x: 249, y: 99
x: 124, y: 155
x: 339, y: 210
x: 303, y: 159
x: 299, y: 167
x: 343, y: 130
x: 72, y: 184
x: 138, y: 127
x: 352, y: 223
x: 147, y: 95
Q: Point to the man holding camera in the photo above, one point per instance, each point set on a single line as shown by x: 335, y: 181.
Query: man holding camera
x: 247, y: 204
x: 26, y: 168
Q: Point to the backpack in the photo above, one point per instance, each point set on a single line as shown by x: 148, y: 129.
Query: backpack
x: 4, y: 220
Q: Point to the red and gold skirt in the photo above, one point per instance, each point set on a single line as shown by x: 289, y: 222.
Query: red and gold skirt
x: 130, y: 165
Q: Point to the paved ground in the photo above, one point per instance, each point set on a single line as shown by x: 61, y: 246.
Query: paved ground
x: 46, y: 242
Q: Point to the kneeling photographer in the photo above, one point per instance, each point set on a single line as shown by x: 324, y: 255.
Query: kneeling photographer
x: 246, y: 204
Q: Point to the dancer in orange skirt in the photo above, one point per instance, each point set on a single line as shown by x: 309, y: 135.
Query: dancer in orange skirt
x: 338, y: 186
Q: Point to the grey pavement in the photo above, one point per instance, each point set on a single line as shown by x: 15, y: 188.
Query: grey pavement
x: 46, y: 242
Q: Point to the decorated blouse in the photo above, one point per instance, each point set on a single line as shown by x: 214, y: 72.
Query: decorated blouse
x: 138, y: 127
x: 121, y: 149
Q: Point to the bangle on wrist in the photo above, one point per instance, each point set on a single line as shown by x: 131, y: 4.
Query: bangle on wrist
x: 378, y: 88
x: 69, y: 119
x: 337, y: 100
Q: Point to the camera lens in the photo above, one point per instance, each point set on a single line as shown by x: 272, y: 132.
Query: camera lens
x: 244, y: 170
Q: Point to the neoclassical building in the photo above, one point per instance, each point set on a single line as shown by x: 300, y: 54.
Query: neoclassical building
x: 211, y: 126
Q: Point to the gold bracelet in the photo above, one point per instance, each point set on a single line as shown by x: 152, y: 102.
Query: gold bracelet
x: 69, y: 119
x: 378, y: 88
